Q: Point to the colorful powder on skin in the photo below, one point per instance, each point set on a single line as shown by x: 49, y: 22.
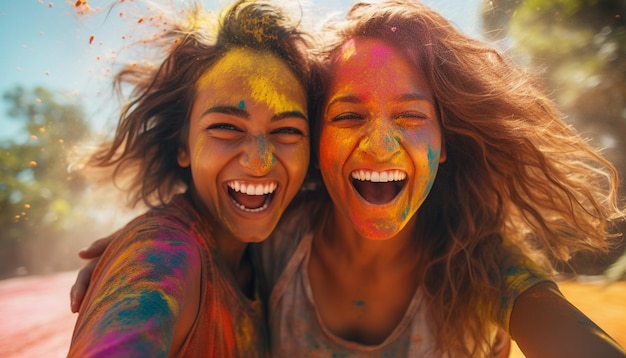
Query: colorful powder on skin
x: 380, y: 55
x: 367, y: 74
x: 433, y: 163
x: 359, y: 303
x: 266, y: 85
x: 263, y: 81
x: 391, y: 143
x: 405, y: 213
x: 263, y: 158
x: 347, y: 51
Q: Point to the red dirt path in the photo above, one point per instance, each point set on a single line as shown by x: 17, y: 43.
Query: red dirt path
x: 35, y: 317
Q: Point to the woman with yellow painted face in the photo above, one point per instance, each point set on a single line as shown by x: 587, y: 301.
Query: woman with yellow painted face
x: 227, y: 122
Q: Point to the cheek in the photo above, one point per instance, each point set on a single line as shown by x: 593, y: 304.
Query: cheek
x: 426, y: 151
x: 197, y: 147
x: 298, y: 160
x: 332, y: 145
x: 434, y: 153
x: 424, y: 143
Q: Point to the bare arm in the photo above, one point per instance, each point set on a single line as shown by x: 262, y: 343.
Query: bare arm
x: 545, y: 324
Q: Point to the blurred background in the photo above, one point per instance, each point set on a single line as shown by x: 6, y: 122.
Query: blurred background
x: 56, y: 64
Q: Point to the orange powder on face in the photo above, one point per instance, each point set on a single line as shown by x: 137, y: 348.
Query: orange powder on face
x: 266, y: 76
x: 263, y: 158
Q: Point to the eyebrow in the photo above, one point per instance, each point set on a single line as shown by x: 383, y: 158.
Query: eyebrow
x: 407, y: 97
x: 238, y: 112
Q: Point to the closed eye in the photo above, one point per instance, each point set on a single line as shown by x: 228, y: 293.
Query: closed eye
x: 288, y: 135
x: 347, y: 116
x: 411, y: 115
x: 224, y: 126
x: 225, y: 131
x: 288, y: 130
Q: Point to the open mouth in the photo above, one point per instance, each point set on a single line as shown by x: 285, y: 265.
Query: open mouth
x: 250, y: 197
x: 378, y: 187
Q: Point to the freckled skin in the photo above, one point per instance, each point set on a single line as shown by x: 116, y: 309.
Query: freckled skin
x: 380, y: 115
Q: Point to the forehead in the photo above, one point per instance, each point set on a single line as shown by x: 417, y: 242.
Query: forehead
x: 371, y: 54
x: 374, y: 66
x: 358, y: 49
x: 241, y: 62
x: 259, y: 76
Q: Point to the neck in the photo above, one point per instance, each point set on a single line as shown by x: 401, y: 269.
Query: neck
x: 230, y: 248
x: 234, y: 254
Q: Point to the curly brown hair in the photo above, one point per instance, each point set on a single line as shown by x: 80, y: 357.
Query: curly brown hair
x: 514, y: 170
x: 154, y: 124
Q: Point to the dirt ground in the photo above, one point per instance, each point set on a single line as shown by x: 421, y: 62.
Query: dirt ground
x: 605, y: 305
x: 36, y: 319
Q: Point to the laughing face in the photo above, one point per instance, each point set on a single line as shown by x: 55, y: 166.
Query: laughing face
x: 380, y: 142
x: 248, y: 143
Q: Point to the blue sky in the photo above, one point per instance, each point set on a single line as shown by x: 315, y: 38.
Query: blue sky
x: 44, y: 44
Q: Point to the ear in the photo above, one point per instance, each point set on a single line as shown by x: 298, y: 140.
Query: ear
x: 183, y: 158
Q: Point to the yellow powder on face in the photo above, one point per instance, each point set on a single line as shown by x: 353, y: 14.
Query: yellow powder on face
x: 268, y: 78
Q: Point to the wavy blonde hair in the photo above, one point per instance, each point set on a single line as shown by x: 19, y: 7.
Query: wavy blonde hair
x: 154, y: 124
x: 514, y: 168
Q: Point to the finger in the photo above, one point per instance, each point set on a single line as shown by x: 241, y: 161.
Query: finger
x: 78, y: 290
x: 95, y: 249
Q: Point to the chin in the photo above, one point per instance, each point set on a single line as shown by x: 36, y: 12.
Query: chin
x: 380, y: 231
x: 253, y: 237
x: 379, y: 236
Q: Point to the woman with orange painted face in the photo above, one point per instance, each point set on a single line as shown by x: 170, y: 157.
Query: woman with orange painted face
x: 443, y: 162
x: 227, y: 122
x: 438, y: 175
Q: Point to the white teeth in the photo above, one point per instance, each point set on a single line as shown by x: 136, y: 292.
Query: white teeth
x: 265, y: 205
x: 379, y: 177
x: 252, y: 189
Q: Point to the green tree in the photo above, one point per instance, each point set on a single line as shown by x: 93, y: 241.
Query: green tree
x: 579, y: 47
x: 38, y: 194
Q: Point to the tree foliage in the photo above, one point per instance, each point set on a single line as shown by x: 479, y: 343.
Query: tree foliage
x: 38, y: 195
x: 579, y: 47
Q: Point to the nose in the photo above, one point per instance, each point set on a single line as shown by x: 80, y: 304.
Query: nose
x: 258, y: 156
x: 380, y: 141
